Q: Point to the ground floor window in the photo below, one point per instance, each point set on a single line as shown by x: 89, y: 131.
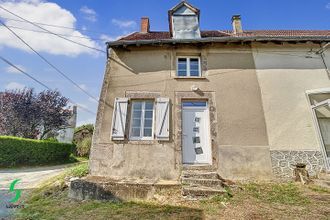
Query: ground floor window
x: 142, y: 117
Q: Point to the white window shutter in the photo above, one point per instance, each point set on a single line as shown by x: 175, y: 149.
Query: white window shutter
x: 119, y: 119
x: 162, y: 119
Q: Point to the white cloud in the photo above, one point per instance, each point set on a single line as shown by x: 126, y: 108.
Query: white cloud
x: 89, y: 14
x: 327, y: 6
x: 107, y: 38
x: 43, y: 12
x: 11, y: 69
x: 124, y: 23
x: 14, y: 86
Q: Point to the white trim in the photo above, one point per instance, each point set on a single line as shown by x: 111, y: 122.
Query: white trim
x: 188, y: 66
x: 141, y: 138
x: 320, y: 104
x: 318, y: 91
x: 317, y: 128
x: 209, y: 139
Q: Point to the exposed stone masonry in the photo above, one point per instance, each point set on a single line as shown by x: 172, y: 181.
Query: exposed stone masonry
x: 283, y: 162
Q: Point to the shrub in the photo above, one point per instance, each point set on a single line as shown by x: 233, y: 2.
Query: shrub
x: 83, y: 147
x: 78, y: 171
x: 82, y: 132
x: 83, y: 139
x: 19, y: 151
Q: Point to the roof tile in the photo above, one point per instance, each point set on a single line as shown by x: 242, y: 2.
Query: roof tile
x: 154, y: 35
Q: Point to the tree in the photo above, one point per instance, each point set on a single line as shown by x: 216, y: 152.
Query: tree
x: 24, y: 113
x: 54, y: 115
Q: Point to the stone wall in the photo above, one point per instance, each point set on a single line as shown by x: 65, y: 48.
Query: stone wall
x: 283, y: 162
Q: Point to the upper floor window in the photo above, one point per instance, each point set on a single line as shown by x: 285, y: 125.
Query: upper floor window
x: 142, y: 120
x: 188, y: 67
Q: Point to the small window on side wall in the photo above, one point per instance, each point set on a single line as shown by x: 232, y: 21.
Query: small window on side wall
x: 188, y: 67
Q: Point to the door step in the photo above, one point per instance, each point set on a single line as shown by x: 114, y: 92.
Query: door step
x: 202, y: 182
x: 200, y: 192
x: 200, y: 175
x: 199, y: 184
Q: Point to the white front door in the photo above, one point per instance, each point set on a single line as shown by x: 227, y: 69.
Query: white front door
x: 196, y: 144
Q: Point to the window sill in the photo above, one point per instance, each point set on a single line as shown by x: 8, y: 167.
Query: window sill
x: 190, y: 77
x: 142, y: 142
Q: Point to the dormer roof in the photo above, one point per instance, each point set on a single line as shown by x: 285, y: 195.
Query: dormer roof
x: 184, y: 21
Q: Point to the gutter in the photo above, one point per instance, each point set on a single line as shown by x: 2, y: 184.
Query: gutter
x: 218, y: 40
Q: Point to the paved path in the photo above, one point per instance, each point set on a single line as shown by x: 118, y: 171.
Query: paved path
x: 29, y: 178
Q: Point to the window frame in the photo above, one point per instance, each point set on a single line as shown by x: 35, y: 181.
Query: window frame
x: 188, y: 58
x: 142, y: 138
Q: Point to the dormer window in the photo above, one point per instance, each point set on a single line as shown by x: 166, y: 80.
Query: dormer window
x: 184, y: 21
x: 188, y: 67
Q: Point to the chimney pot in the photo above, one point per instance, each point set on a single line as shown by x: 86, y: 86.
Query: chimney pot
x: 237, y: 24
x: 145, y: 25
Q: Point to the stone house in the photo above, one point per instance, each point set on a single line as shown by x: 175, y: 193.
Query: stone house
x: 245, y: 104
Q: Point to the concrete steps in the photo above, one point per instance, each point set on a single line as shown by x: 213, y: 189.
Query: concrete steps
x: 200, y: 175
x: 201, y: 191
x: 200, y: 184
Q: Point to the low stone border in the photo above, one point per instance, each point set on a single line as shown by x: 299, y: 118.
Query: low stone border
x: 101, y: 188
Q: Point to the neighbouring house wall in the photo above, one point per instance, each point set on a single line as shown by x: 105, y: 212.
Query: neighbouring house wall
x: 284, y: 74
x: 240, y: 130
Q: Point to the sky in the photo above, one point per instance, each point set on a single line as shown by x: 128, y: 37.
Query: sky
x: 93, y: 22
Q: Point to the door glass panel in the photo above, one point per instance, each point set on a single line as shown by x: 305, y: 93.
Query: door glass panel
x: 194, y: 104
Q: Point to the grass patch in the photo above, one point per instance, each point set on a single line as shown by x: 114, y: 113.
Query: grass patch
x: 319, y: 189
x: 80, y: 170
x: 248, y: 201
x: 58, y: 206
x: 284, y: 193
x: 51, y: 202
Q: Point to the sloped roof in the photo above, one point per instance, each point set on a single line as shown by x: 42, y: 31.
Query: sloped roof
x: 158, y: 35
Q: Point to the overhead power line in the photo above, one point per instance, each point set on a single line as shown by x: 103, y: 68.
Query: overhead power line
x: 49, y: 63
x: 64, y: 38
x: 52, y: 25
x: 41, y: 83
x: 64, y: 35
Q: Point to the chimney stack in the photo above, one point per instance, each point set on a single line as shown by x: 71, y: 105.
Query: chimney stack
x: 145, y: 25
x: 237, y: 24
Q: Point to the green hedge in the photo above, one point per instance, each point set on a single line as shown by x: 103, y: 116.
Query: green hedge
x: 19, y: 151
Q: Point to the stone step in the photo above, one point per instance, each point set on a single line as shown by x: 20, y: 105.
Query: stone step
x: 202, y: 182
x: 200, y: 175
x: 201, y: 192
